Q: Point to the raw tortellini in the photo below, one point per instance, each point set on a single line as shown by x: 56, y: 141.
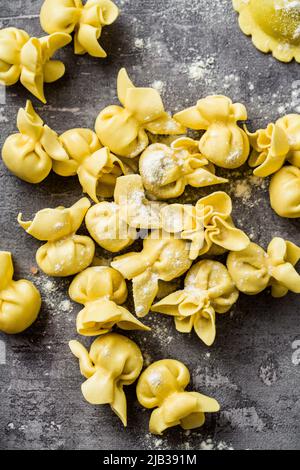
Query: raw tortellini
x: 166, y: 171
x: 65, y: 252
x: 224, y: 143
x: 123, y: 129
x: 162, y: 386
x: 113, y: 361
x: 102, y: 290
x: 208, y: 289
x: 273, y: 146
x: 273, y: 25
x: 30, y: 59
x: 285, y: 192
x: 163, y: 258
x: 253, y: 269
x: 208, y: 225
x: 87, y: 20
x: 20, y: 301
x: 31, y: 153
x: 96, y: 167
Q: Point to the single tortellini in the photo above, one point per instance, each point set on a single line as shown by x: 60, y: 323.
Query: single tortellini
x: 123, y: 129
x: 253, y: 269
x: 273, y: 146
x: 97, y: 168
x: 30, y: 154
x: 273, y: 25
x: 65, y: 252
x: 108, y: 229
x: 208, y: 289
x: 224, y: 143
x: 30, y: 59
x: 162, y: 386
x: 207, y: 225
x: 163, y: 258
x: 113, y: 362
x: 86, y: 20
x: 20, y: 301
x: 102, y: 290
x: 167, y: 170
x: 285, y: 192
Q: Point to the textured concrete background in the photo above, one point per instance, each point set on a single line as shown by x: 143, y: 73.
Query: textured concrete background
x: 190, y: 48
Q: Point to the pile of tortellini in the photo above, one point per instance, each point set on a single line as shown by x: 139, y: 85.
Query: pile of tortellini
x: 130, y: 173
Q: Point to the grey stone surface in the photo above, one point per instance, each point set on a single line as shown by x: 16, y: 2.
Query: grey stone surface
x: 254, y: 367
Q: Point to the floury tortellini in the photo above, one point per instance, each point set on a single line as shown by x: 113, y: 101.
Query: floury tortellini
x: 97, y: 168
x: 208, y: 289
x: 102, y: 291
x: 208, y: 225
x: 30, y: 154
x: 273, y: 25
x: 20, y: 301
x: 285, y: 192
x: 30, y: 59
x: 124, y: 129
x: 86, y: 20
x: 162, y: 386
x: 224, y: 143
x: 167, y: 170
x: 65, y: 252
x: 113, y: 362
x: 273, y: 146
x: 163, y: 258
x: 253, y: 269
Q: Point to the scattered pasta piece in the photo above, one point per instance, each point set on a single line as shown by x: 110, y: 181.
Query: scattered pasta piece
x: 96, y: 167
x: 253, y: 270
x: 285, y: 192
x: 207, y: 225
x: 102, y: 290
x: 273, y: 146
x: 166, y: 171
x: 29, y: 59
x: 208, y: 289
x: 162, y: 386
x: 30, y: 154
x: 123, y: 129
x: 65, y: 252
x: 87, y: 21
x: 20, y: 301
x: 273, y: 25
x: 163, y: 258
x: 113, y: 361
x: 224, y: 143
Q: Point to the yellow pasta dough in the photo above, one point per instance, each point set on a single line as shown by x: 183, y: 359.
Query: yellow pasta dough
x: 273, y: 146
x: 207, y: 225
x: 31, y: 153
x: 163, y: 258
x: 96, y: 167
x: 65, y: 252
x: 113, y: 362
x: 224, y: 143
x: 273, y: 25
x: 108, y: 229
x: 285, y: 192
x: 102, y: 290
x: 86, y: 20
x: 30, y: 59
x: 20, y: 301
x: 208, y: 289
x: 123, y: 129
x: 253, y: 269
x: 166, y: 171
x: 162, y: 386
